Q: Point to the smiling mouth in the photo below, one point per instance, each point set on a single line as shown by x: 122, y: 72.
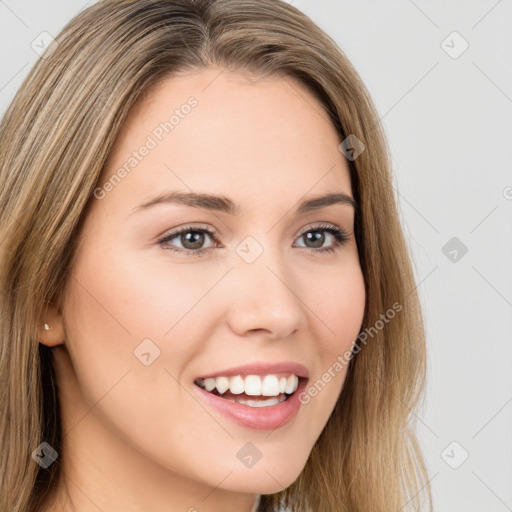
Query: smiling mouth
x: 252, y: 400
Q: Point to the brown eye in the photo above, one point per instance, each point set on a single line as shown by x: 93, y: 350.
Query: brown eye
x: 315, y: 238
x: 191, y: 239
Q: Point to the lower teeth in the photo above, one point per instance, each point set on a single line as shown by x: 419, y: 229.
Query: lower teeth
x: 259, y: 403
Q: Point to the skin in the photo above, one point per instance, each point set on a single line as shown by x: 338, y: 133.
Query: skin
x: 136, y: 437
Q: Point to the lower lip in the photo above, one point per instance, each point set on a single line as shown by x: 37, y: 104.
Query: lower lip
x: 257, y: 418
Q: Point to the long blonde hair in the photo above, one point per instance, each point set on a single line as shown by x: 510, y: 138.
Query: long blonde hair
x: 55, y: 138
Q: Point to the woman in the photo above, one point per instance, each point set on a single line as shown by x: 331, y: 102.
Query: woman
x: 208, y: 300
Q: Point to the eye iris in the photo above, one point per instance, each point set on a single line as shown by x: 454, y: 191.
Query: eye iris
x: 197, y: 238
x: 317, y: 237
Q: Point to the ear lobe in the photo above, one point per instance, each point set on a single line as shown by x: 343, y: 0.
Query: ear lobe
x: 51, y: 327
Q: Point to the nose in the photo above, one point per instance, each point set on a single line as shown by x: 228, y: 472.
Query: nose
x: 265, y: 297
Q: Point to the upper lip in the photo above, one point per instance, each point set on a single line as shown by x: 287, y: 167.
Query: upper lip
x: 261, y: 368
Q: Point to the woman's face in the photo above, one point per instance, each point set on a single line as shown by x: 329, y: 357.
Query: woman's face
x: 145, y: 317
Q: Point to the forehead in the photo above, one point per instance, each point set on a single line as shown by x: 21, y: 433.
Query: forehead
x: 220, y: 131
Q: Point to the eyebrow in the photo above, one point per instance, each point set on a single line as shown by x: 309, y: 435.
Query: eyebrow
x: 224, y: 204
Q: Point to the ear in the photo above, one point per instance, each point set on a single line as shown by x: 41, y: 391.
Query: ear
x: 51, y: 327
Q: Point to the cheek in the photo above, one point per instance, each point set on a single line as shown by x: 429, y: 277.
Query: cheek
x: 160, y: 296
x: 131, y: 297
x: 338, y: 314
x: 338, y: 303
x: 106, y: 317
x: 127, y: 312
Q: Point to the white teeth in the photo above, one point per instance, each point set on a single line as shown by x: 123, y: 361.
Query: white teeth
x: 222, y: 384
x: 270, y: 386
x: 237, y: 385
x: 209, y: 384
x: 252, y: 385
x: 291, y: 384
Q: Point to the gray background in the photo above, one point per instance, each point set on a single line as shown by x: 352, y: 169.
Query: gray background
x: 447, y: 118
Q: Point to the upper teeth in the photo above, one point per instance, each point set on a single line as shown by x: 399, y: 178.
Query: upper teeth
x: 271, y: 385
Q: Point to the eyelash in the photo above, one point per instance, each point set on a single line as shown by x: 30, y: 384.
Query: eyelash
x: 340, y: 238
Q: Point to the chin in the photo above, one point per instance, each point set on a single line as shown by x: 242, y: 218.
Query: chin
x: 262, y: 482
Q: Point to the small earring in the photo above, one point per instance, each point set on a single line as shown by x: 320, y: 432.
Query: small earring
x: 47, y: 327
